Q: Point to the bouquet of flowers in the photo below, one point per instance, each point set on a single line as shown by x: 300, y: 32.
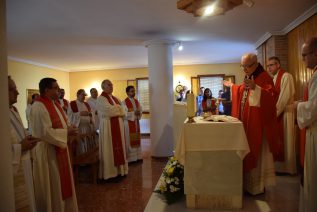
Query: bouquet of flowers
x: 171, y: 183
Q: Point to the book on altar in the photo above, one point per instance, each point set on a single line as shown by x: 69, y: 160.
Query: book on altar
x: 221, y: 118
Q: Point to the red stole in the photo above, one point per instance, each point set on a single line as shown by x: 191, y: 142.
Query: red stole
x: 134, y: 126
x: 14, y: 108
x: 65, y: 103
x: 280, y: 124
x: 65, y: 106
x: 302, y: 133
x: 257, y: 121
x: 73, y: 105
x: 115, y: 134
x: 61, y: 154
x: 213, y: 105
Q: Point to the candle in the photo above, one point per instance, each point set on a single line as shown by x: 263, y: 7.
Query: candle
x: 191, y: 105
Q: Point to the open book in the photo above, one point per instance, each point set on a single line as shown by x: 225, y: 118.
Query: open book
x: 221, y: 118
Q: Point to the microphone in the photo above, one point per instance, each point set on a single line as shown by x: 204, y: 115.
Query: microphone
x: 247, y: 77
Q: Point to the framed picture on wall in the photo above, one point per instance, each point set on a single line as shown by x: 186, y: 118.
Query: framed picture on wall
x: 230, y: 78
x: 29, y: 93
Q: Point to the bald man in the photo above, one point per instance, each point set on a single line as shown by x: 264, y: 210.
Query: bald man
x: 307, y: 118
x: 254, y: 103
x: 112, y: 151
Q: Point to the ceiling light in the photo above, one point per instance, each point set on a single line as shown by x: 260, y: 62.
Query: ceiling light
x: 180, y: 46
x: 209, y: 10
x: 203, y: 7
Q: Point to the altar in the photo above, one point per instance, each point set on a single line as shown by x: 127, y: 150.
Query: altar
x: 212, y: 154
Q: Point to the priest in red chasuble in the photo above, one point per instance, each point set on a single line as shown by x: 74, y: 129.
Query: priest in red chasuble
x: 254, y: 103
x: 132, y: 125
x: 112, y: 152
x: 53, y: 179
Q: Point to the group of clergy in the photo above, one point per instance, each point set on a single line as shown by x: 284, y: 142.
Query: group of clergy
x: 265, y: 104
x: 43, y: 177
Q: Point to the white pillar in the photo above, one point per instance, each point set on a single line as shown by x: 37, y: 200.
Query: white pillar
x: 160, y: 63
x: 6, y: 179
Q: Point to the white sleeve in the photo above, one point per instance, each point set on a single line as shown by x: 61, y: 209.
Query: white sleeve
x: 255, y: 96
x: 307, y: 111
x: 16, y: 156
x: 286, y: 93
x: 42, y: 127
x: 74, y: 118
x: 105, y: 109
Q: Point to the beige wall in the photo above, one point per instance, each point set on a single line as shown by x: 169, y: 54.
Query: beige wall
x: 184, y: 73
x: 296, y: 66
x: 27, y: 76
x: 119, y: 77
x: 90, y: 79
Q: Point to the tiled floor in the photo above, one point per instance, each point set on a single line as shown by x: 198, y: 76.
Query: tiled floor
x: 133, y: 192
x: 130, y: 193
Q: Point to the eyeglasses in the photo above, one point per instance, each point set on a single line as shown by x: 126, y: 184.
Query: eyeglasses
x: 247, y: 66
x: 270, y: 65
x: 306, y: 54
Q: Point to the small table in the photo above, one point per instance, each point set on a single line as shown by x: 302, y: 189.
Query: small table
x: 212, y: 154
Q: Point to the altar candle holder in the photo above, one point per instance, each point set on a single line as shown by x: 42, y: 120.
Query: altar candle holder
x: 191, y: 107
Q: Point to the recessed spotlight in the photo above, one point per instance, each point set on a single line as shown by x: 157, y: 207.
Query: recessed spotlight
x: 209, y: 10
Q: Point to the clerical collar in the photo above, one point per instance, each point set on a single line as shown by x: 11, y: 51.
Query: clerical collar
x: 257, y: 71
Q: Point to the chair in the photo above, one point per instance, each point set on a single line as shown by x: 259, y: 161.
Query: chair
x: 89, y: 157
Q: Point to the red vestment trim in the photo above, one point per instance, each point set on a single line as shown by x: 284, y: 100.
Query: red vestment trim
x: 280, y: 120
x: 74, y: 107
x: 14, y: 108
x: 65, y: 103
x: 115, y: 134
x: 213, y: 106
x: 65, y: 106
x: 134, y: 126
x: 258, y: 121
x: 61, y: 154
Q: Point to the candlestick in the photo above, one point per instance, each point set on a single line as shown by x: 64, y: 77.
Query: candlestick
x: 191, y: 107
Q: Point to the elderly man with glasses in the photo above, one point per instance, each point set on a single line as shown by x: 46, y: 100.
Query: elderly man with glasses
x: 254, y: 103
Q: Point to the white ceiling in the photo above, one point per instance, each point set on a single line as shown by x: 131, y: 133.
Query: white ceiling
x: 78, y: 35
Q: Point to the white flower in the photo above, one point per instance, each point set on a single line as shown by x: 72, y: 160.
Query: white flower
x: 163, y: 182
x: 172, y: 188
x: 168, y: 180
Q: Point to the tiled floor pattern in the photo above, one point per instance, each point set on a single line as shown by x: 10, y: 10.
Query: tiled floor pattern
x: 133, y: 192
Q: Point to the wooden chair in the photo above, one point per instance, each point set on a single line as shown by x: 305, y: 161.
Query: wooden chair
x: 89, y: 157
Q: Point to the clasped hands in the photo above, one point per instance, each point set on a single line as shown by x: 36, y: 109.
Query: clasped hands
x: 85, y: 113
x: 72, y: 130
x: 29, y: 143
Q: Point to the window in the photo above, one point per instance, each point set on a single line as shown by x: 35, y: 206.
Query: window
x: 143, y: 94
x: 213, y: 82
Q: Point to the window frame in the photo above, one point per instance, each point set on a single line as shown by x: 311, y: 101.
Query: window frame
x: 142, y: 78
